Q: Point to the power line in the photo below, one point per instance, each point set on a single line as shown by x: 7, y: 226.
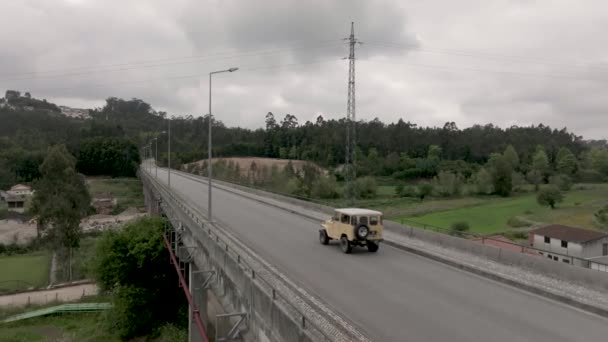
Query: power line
x: 502, y: 72
x: 493, y: 56
x: 204, y: 74
x: 170, y: 63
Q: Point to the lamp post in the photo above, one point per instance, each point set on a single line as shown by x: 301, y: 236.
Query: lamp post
x: 155, y: 157
x: 209, y: 164
x: 169, y: 154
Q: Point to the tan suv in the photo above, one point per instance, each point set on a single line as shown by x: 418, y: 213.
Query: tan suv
x: 353, y: 227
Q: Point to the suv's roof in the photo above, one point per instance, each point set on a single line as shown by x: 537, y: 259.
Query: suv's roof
x: 357, y: 211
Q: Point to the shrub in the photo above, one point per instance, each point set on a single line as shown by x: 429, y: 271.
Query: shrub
x: 409, y: 191
x: 517, y: 222
x: 447, y: 183
x: 325, y: 187
x: 602, y: 216
x: 366, y: 187
x: 459, y: 228
x: 424, y: 190
x: 563, y: 182
x: 549, y: 196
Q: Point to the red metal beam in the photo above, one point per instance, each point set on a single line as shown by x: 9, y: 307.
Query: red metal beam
x: 197, y: 317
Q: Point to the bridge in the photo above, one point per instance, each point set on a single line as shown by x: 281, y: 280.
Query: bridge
x: 258, y: 273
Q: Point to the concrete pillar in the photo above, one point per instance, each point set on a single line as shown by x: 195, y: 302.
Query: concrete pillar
x: 199, y: 297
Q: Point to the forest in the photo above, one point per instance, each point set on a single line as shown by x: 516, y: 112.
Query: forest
x: 493, y: 159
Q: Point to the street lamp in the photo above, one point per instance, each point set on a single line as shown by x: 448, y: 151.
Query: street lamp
x: 169, y: 154
x: 209, y: 166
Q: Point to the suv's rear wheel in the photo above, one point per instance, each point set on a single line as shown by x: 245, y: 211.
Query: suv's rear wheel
x: 345, y: 245
x: 323, y: 238
x: 372, y: 246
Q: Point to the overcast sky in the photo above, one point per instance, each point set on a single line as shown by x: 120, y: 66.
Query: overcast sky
x: 506, y: 62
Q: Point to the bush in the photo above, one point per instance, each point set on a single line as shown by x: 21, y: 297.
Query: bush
x: 549, y: 196
x: 602, y: 216
x: 517, y: 222
x: 563, y: 182
x: 366, y: 187
x: 447, y: 184
x: 459, y: 228
x: 516, y: 235
x: 424, y: 190
x: 589, y: 176
x: 132, y: 265
x: 483, y: 182
x: 518, y: 181
x: 409, y: 191
x: 399, y: 189
x: 325, y: 187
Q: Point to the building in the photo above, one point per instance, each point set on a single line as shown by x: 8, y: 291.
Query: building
x: 16, y: 197
x: 565, y: 244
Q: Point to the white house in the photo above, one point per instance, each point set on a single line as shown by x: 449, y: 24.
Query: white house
x: 16, y: 197
x: 561, y: 243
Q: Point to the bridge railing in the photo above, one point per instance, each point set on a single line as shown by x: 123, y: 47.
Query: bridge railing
x: 266, y: 276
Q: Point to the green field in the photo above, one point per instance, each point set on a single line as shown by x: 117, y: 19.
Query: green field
x: 74, y: 327
x: 491, y: 214
x: 32, y: 268
x: 128, y: 191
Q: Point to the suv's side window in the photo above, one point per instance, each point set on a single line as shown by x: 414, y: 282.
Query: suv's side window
x: 345, y: 219
x: 363, y: 220
x: 373, y: 220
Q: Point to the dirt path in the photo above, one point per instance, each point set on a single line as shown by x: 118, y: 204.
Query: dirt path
x: 64, y: 294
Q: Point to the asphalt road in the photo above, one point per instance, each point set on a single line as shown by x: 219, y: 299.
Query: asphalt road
x: 393, y: 295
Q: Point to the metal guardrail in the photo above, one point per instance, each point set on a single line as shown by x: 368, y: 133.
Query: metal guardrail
x: 64, y: 308
x: 212, y: 231
x: 586, y: 263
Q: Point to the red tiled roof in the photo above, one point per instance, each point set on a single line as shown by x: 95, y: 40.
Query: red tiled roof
x: 570, y: 234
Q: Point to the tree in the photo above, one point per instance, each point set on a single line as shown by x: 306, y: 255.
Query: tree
x: 517, y: 180
x: 565, y: 162
x: 511, y: 156
x: 549, y: 196
x: 483, y: 182
x: 424, y: 190
x: 61, y: 199
x: 447, y: 183
x: 563, y: 182
x: 540, y: 161
x: 131, y: 264
x: 501, y: 176
x: 534, y: 177
x: 599, y: 160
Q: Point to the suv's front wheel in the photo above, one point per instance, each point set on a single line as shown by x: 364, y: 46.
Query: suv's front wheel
x: 323, y: 238
x: 345, y: 245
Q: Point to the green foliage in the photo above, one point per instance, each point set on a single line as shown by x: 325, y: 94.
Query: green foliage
x: 511, y: 157
x: 565, y: 162
x: 540, y: 161
x: 483, y: 182
x: 534, y: 177
x: 116, y: 157
x: 599, y: 160
x: 501, y: 176
x: 589, y: 176
x: 518, y: 181
x: 601, y: 216
x: 409, y: 191
x: 61, y: 198
x: 550, y: 196
x: 325, y: 187
x: 517, y: 222
x: 459, y: 228
x: 366, y: 187
x: 447, y: 184
x: 132, y: 264
x: 563, y: 182
x: 425, y: 189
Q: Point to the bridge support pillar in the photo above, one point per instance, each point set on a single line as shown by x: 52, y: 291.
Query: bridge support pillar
x: 198, y: 288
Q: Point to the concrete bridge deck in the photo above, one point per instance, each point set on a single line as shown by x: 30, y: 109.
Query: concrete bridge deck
x: 391, y: 295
